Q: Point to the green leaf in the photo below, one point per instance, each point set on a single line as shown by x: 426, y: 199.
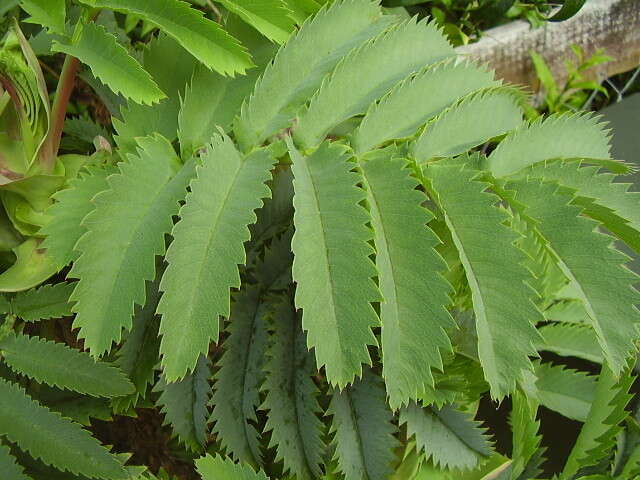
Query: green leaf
x: 302, y: 63
x: 10, y: 4
x: 269, y: 17
x: 291, y: 399
x: 203, y: 38
x: 277, y: 213
x: 569, y: 9
x: 33, y: 266
x: 464, y: 125
x: 589, y: 260
x: 569, y: 136
x: 138, y: 355
x: 37, y: 430
x: 110, y: 62
x: 237, y: 386
x: 84, y: 129
x: 331, y: 263
x: 363, y: 430
x: 568, y: 392
x: 9, y: 466
x: 405, y: 108
x: 301, y: 9
x: 545, y: 76
x: 274, y: 271
x: 60, y: 366
x: 603, y: 199
x: 449, y: 437
x: 72, y: 205
x: 142, y: 120
x: 414, y: 311
x: 184, y: 404
x: 502, y: 300
x: 77, y: 407
x: 567, y: 311
x: 631, y: 468
x: 547, y: 276
x: 571, y: 340
x: 374, y: 67
x: 43, y: 303
x: 526, y: 439
x: 219, y: 468
x: 207, y: 248
x: 125, y: 233
x: 616, y: 166
x: 223, y: 97
x: 48, y: 13
x: 598, y: 434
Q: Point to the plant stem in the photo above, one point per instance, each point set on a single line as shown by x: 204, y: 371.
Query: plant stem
x: 63, y: 94
x: 59, y: 111
x: 216, y: 12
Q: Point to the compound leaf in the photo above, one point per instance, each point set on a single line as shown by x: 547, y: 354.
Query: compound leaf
x: 568, y: 311
x: 301, y: 9
x: 75, y: 406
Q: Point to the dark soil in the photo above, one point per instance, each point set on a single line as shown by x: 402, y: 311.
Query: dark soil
x: 148, y: 439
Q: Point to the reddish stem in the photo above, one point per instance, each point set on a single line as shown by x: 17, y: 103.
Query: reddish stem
x: 59, y: 111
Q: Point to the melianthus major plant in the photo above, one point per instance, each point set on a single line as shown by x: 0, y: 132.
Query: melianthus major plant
x: 32, y: 168
x: 317, y: 273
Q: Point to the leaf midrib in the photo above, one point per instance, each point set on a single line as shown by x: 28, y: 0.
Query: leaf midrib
x: 210, y: 237
x: 392, y: 265
x: 294, y: 392
x: 354, y: 419
x: 147, y: 207
x: 325, y: 250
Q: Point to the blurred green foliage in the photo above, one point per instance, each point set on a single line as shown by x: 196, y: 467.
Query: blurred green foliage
x: 464, y: 20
